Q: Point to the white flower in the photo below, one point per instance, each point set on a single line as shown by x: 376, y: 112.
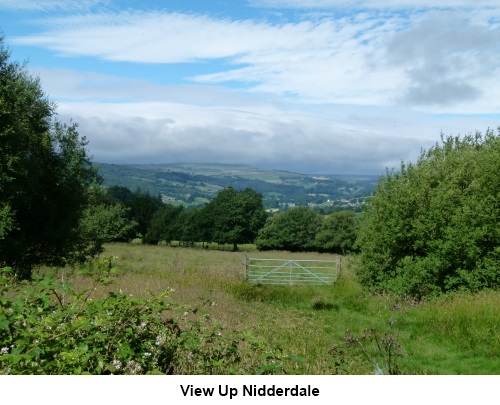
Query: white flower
x: 4, y: 350
x: 132, y: 367
x: 143, y: 324
x: 147, y: 354
x: 117, y: 364
x: 160, y: 339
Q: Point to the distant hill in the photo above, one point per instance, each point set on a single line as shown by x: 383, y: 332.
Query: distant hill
x: 196, y: 184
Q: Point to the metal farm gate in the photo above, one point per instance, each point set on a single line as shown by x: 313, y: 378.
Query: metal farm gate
x: 292, y: 272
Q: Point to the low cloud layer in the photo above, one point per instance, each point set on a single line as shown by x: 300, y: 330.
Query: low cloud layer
x: 332, y: 140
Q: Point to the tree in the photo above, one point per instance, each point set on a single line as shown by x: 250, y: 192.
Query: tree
x: 294, y: 230
x: 102, y: 222
x: 163, y: 225
x: 433, y: 226
x: 338, y: 232
x: 142, y: 208
x: 235, y: 216
x: 44, y: 175
x: 121, y: 194
x: 188, y: 226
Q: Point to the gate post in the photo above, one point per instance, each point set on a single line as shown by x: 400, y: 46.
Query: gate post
x: 246, y: 267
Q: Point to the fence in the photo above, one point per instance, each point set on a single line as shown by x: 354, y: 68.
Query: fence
x: 292, y: 272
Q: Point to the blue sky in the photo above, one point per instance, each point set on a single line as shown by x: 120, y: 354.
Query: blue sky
x: 311, y: 86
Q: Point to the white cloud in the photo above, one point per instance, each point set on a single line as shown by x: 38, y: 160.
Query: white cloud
x: 49, y: 5
x: 153, y: 133
x: 164, y: 38
x: 378, y: 4
x: 364, y: 58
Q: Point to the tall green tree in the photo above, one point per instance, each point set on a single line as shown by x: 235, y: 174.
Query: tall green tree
x: 188, y: 226
x: 235, y: 216
x: 433, y: 226
x: 163, y: 225
x: 294, y: 230
x: 45, y: 173
x: 142, y: 208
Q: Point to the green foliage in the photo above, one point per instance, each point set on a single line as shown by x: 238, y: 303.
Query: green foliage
x: 190, y: 227
x: 163, y: 225
x: 235, y: 216
x: 44, y: 175
x: 338, y: 232
x: 121, y: 194
x: 47, y: 327
x: 294, y: 230
x: 142, y: 208
x: 102, y: 222
x: 6, y: 221
x: 433, y: 226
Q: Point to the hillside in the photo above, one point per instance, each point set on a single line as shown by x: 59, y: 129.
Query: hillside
x: 195, y: 184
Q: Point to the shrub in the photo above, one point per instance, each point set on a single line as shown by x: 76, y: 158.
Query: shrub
x: 294, y: 230
x: 337, y: 233
x: 46, y: 327
x: 432, y: 227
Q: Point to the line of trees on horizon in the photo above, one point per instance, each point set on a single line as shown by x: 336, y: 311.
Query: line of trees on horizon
x: 232, y: 218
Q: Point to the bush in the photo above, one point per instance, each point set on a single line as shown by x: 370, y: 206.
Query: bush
x: 432, y: 227
x: 294, y: 230
x: 46, y: 327
x: 337, y: 233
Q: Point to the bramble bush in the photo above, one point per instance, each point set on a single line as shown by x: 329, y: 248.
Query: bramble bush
x: 46, y: 327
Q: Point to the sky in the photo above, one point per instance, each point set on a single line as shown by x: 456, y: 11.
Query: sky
x: 325, y: 86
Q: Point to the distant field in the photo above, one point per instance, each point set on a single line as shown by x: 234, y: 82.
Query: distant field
x: 330, y: 329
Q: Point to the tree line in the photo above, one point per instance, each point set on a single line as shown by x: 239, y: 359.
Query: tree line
x: 234, y: 217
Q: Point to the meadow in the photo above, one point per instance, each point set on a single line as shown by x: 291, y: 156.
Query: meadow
x: 337, y: 329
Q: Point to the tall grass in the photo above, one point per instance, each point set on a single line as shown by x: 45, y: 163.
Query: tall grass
x: 454, y: 334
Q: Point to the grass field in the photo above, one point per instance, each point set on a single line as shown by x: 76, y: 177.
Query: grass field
x: 339, y: 329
